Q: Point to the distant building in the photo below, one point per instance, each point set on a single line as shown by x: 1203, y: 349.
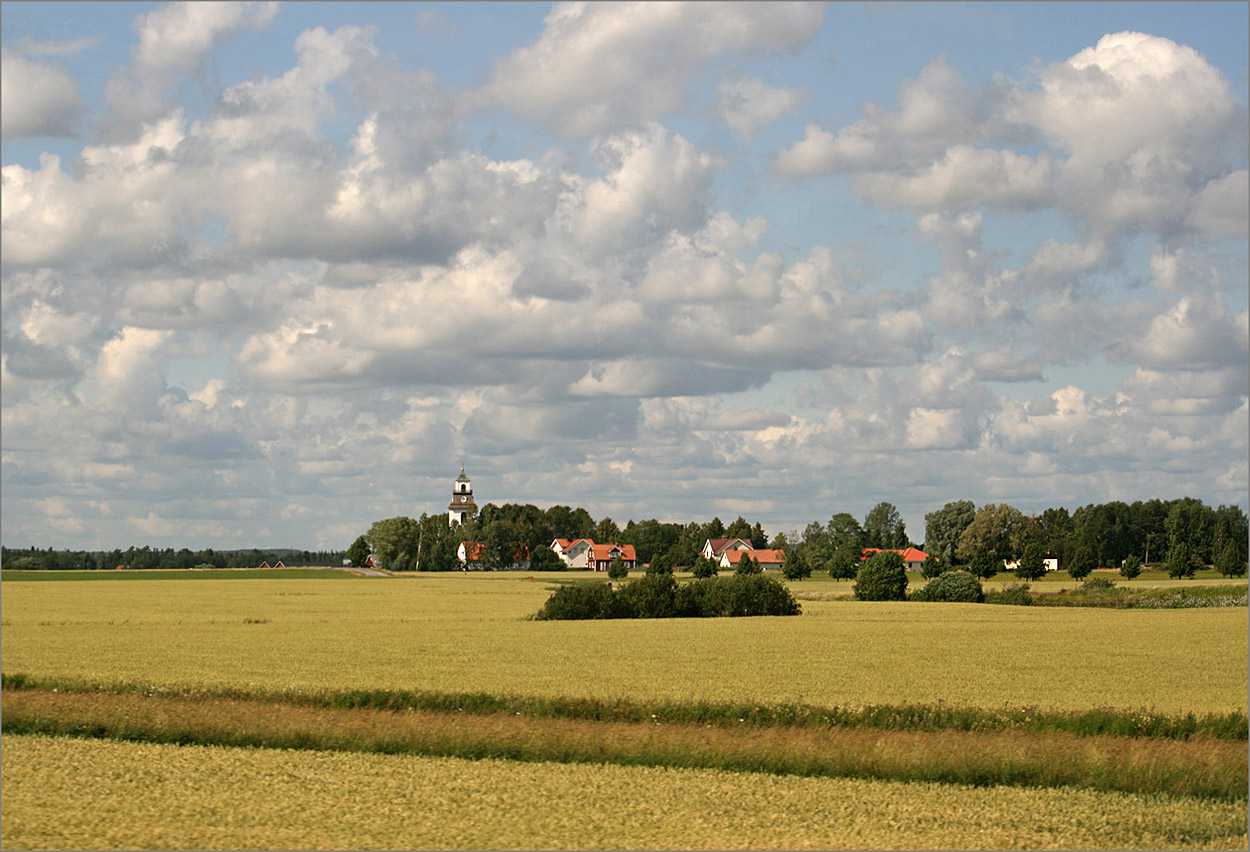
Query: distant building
x: 714, y: 547
x: 585, y: 554
x: 913, y: 557
x: 470, y: 554
x: 462, y: 505
x: 575, y: 552
x: 768, y: 558
x: 603, y: 555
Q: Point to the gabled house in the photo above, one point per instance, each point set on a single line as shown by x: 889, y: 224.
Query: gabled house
x: 602, y: 555
x: 714, y: 547
x: 768, y: 558
x: 913, y: 557
x: 575, y: 552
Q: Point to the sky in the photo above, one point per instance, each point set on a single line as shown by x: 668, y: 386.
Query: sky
x: 272, y: 272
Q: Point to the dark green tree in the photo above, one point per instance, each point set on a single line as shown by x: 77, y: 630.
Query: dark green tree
x: 795, y: 567
x: 704, y: 567
x: 1082, y: 562
x: 1130, y: 567
x: 844, y: 531
x: 359, y: 551
x: 617, y: 569
x: 882, y: 577
x: 607, y: 532
x: 748, y: 565
x: 884, y: 527
x: 1031, y: 566
x: 844, y: 564
x: 394, y: 536
x: 931, y: 567
x: 543, y: 558
x: 740, y: 528
x: 984, y: 564
x: 1229, y: 561
x: 1180, y: 561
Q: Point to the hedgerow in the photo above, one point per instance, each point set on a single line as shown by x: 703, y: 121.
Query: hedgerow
x: 660, y: 596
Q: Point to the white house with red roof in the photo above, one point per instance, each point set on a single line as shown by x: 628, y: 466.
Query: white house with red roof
x: 574, y: 552
x: 768, y: 558
x: 602, y: 555
x: 713, y: 548
x: 913, y: 557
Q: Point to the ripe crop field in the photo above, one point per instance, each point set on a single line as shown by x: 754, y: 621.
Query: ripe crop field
x: 384, y: 685
x: 469, y: 633
x: 76, y: 794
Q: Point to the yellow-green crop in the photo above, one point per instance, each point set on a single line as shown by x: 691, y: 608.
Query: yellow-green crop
x: 466, y: 633
x: 83, y: 794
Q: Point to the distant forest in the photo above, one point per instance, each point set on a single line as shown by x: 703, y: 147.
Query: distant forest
x: 146, y: 558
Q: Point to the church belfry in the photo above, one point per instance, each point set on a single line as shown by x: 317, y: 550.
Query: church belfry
x: 462, y: 505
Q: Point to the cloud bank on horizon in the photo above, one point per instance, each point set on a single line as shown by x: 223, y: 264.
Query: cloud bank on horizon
x: 273, y: 273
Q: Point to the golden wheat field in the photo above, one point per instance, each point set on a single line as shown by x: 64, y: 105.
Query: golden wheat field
x: 69, y: 794
x: 470, y: 633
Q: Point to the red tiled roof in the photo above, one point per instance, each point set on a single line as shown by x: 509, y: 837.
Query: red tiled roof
x: 604, y: 551
x: 764, y: 556
x: 909, y: 554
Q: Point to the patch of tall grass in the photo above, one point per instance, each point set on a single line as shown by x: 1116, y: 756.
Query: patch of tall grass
x: 63, y: 793
x: 1204, y: 768
x: 904, y: 717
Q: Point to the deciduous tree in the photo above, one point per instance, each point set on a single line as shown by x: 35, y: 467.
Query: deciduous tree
x: 996, y: 529
x: 883, y: 527
x: 944, y: 526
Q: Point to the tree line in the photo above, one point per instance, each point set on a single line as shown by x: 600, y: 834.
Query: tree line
x: 429, y: 544
x: 147, y: 558
x: 1181, y: 535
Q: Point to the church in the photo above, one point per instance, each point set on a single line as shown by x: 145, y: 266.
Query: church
x: 462, y: 505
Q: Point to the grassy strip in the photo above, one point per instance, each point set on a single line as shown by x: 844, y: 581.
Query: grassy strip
x: 1115, y: 597
x: 911, y: 717
x: 1204, y: 768
x: 12, y: 576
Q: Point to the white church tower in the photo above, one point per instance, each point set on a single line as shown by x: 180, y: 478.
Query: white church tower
x: 462, y: 505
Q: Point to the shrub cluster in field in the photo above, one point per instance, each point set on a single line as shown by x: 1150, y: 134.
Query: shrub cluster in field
x: 660, y: 596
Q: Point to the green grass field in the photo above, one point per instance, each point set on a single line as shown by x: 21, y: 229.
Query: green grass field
x: 460, y: 634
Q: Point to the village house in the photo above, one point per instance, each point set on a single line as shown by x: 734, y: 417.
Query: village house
x: 470, y: 555
x: 913, y: 557
x: 574, y: 552
x: 768, y: 558
x: 584, y: 554
x: 713, y: 548
x: 603, y: 555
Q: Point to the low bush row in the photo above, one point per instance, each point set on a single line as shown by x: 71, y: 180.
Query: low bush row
x: 660, y: 596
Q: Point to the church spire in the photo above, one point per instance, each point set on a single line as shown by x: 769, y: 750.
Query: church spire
x: 462, y: 505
